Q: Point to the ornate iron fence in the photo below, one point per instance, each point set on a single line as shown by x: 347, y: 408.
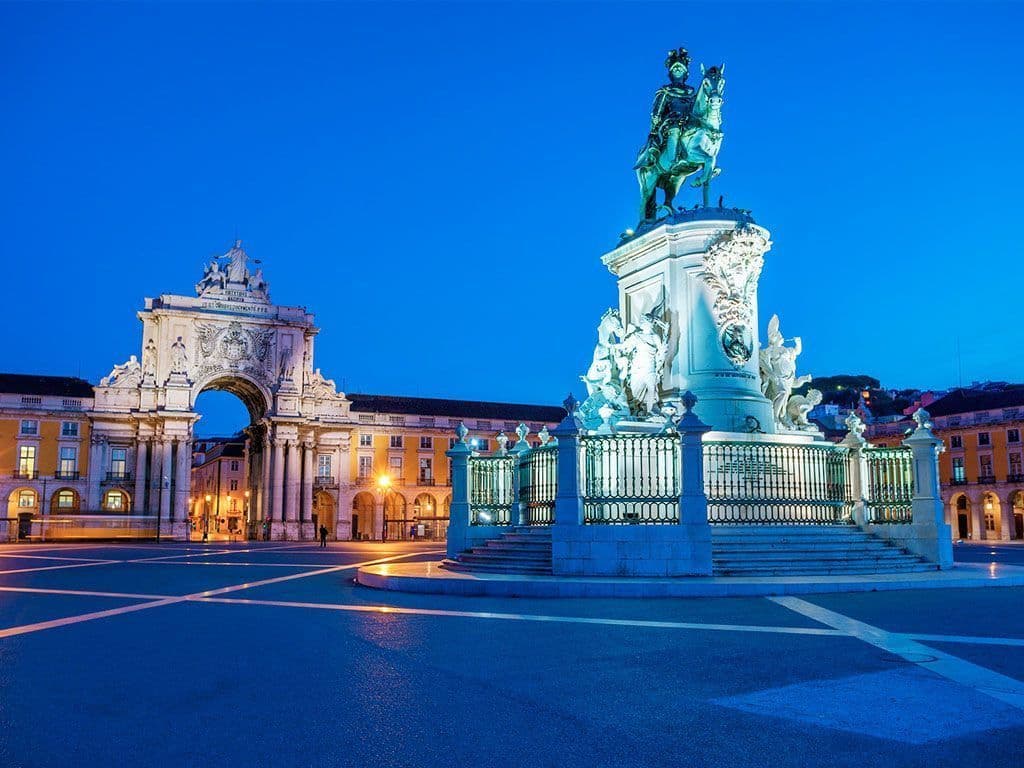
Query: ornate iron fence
x: 538, y: 483
x: 890, y: 485
x: 630, y: 479
x: 771, y: 483
x: 490, y: 490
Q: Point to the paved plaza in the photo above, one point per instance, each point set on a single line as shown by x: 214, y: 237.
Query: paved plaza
x: 269, y: 654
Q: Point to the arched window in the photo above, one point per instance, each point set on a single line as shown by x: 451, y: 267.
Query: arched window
x: 26, y: 498
x: 115, y: 501
x: 64, y: 500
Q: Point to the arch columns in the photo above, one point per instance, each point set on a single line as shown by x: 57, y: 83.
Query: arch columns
x: 307, y: 530
x: 277, y: 491
x: 182, y: 485
x: 139, y: 496
x: 291, y: 491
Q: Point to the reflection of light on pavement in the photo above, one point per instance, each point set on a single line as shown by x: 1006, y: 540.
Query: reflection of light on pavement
x: 992, y: 569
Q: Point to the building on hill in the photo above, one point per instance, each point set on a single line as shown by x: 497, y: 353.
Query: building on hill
x: 982, y: 468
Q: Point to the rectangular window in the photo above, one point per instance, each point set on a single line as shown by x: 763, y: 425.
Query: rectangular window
x: 984, y: 438
x: 365, y: 466
x: 480, y: 444
x: 366, y: 441
x: 69, y: 429
x: 395, y: 463
x: 1013, y: 435
x: 233, y: 486
x: 68, y: 461
x: 323, y: 465
x: 426, y: 442
x: 1015, y: 464
x: 29, y: 427
x: 27, y: 461
x: 234, y: 505
x: 119, y: 462
x: 956, y: 441
x: 396, y: 441
x: 958, y: 469
x: 985, y: 466
x: 990, y: 521
x: 234, y: 466
x: 426, y: 469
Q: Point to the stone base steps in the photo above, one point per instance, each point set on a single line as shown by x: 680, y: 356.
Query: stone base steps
x: 736, y: 550
x: 520, y: 550
x: 769, y: 550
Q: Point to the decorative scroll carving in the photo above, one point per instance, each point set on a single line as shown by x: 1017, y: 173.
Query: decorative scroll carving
x: 732, y: 266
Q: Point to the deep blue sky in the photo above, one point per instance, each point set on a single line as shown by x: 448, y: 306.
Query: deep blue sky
x: 438, y: 182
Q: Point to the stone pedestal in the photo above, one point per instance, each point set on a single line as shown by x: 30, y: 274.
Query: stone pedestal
x: 308, y: 532
x: 279, y: 531
x: 699, y: 271
x: 181, y: 531
x: 343, y: 530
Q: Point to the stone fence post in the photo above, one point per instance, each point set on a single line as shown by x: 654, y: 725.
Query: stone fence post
x: 568, y: 501
x: 458, y: 522
x: 858, y: 467
x: 930, y: 529
x: 519, y: 452
x: 693, y: 500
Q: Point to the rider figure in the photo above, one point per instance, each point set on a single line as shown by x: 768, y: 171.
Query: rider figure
x: 672, y: 110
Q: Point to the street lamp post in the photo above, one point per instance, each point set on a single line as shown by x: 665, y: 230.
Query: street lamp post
x: 206, y: 518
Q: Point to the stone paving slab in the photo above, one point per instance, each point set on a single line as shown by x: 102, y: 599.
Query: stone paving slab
x: 430, y: 578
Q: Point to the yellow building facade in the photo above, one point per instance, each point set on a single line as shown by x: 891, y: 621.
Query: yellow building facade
x: 982, y: 467
x: 44, y: 450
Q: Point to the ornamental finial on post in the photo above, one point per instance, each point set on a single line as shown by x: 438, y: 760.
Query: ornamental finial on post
x: 685, y: 135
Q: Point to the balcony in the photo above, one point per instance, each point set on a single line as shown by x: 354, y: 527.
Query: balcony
x: 986, y: 479
x: 118, y: 477
x: 25, y: 474
x: 426, y: 481
x: 1015, y: 478
x: 958, y: 481
x: 324, y: 481
x: 72, y: 476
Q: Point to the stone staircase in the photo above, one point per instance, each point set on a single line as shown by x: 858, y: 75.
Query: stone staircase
x: 736, y: 550
x: 525, y: 549
x: 811, y: 550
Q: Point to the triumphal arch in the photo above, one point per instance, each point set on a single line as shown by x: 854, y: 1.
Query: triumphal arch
x: 229, y: 336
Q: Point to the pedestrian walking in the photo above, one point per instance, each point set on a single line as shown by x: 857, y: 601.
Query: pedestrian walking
x: 323, y: 536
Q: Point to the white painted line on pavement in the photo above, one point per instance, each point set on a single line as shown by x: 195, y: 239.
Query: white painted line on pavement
x: 986, y: 681
x: 59, y: 567
x: 39, y: 626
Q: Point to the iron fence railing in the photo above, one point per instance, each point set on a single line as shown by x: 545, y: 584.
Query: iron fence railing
x: 490, y: 490
x: 538, y: 484
x: 630, y: 479
x: 776, y: 484
x: 890, y: 485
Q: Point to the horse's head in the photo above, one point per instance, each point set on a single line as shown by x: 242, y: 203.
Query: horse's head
x: 712, y: 88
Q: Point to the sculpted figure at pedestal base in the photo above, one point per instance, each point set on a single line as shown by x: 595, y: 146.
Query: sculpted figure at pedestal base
x: 604, y: 378
x: 798, y: 407
x: 777, y: 364
x: 625, y: 374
